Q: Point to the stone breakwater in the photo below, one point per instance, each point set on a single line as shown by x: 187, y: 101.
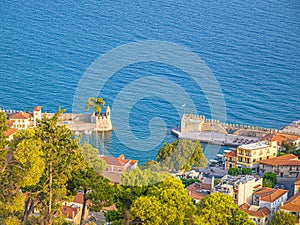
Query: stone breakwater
x: 199, y: 128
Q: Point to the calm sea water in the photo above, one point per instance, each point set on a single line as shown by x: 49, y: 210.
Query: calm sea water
x: 252, y: 47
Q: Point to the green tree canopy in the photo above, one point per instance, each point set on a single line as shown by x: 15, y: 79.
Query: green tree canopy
x: 282, y: 217
x: 3, y: 128
x: 97, y: 103
x: 234, y: 171
x: 22, y: 166
x: 90, y: 155
x: 181, y: 154
x: 187, y: 181
x: 164, y: 203
x: 220, y: 209
x: 239, y: 171
x: 269, y: 179
x: 88, y: 178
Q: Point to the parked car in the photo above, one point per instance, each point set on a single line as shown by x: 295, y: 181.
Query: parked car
x: 282, y: 186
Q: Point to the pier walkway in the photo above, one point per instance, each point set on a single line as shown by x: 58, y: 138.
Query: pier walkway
x: 212, y: 137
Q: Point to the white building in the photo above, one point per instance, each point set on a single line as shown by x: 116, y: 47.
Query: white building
x: 270, y: 198
x: 240, y: 187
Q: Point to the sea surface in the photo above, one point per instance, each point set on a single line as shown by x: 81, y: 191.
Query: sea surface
x: 252, y: 48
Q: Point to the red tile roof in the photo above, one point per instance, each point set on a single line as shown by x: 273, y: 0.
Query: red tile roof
x: 292, y: 204
x: 118, y: 161
x: 109, y: 208
x: 231, y: 154
x: 79, y: 199
x: 114, y: 177
x: 260, y: 212
x: 270, y: 194
x: 133, y: 162
x: 20, y: 115
x: 194, y: 190
x: 257, y: 186
x: 37, y: 108
x: 279, y: 137
x: 285, y: 160
x: 10, y: 131
x: 69, y: 211
x: 10, y: 123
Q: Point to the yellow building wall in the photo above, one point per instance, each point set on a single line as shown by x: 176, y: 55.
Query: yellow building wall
x: 249, y: 158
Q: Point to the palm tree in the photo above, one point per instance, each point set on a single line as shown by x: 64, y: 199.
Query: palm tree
x: 97, y: 103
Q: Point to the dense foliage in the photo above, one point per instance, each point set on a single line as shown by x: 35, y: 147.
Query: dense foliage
x: 289, y: 147
x: 35, y: 169
x: 165, y: 203
x: 282, y: 217
x: 239, y: 171
x: 220, y: 209
x: 3, y: 128
x: 181, y: 154
x: 135, y: 183
x: 186, y: 181
x: 97, y: 103
x: 269, y: 179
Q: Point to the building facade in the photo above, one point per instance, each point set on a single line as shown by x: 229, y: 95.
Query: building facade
x: 240, y: 187
x: 287, y: 166
x: 260, y: 216
x: 102, y: 121
x: 270, y: 198
x: 249, y: 155
x: 230, y: 159
x: 292, y: 206
x: 119, y: 164
x: 191, y: 123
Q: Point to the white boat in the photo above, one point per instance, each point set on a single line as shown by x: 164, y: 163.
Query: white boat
x: 226, y: 151
x: 213, y: 161
x: 220, y: 155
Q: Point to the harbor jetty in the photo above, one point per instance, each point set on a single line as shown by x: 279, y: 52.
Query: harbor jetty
x: 199, y: 128
x: 77, y: 122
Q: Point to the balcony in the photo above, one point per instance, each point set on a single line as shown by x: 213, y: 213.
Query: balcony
x: 245, y: 154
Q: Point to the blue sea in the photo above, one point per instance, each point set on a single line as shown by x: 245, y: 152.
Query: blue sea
x: 251, y: 47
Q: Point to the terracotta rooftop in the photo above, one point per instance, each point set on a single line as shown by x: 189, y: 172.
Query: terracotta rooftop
x: 79, y: 199
x: 231, y: 154
x: 285, y: 160
x: 114, y: 177
x: 118, y: 161
x: 37, y: 108
x: 279, y: 137
x: 133, y: 162
x: 109, y: 208
x: 69, y: 211
x: 194, y: 190
x: 255, y: 210
x: 10, y: 123
x: 292, y: 204
x: 10, y: 131
x: 257, y: 186
x: 20, y: 115
x: 269, y: 194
